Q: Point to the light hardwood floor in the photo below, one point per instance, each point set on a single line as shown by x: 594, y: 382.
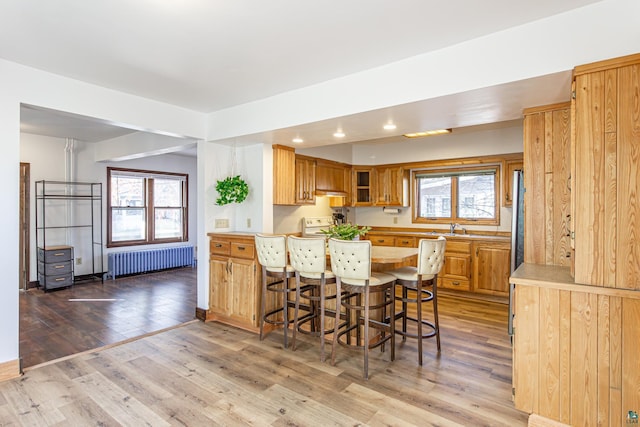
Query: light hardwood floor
x: 203, y: 374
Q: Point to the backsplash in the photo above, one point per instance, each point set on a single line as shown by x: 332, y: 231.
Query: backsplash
x: 288, y: 219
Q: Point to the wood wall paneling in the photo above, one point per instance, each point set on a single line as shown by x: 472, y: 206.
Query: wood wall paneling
x: 564, y: 342
x: 547, y: 146
x: 525, y: 359
x: 561, y: 173
x: 581, y: 367
x: 615, y: 362
x: 630, y: 356
x: 584, y: 358
x: 628, y: 249
x: 589, y: 175
x: 549, y: 372
x: 534, y: 239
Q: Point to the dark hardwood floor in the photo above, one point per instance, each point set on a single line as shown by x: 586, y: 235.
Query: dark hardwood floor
x: 205, y: 374
x: 90, y: 315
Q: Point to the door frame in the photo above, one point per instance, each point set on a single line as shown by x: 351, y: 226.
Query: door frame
x: 25, y: 220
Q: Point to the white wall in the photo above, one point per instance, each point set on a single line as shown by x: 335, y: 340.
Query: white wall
x: 602, y: 30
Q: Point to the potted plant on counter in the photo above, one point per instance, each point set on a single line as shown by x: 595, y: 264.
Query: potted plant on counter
x: 346, y: 231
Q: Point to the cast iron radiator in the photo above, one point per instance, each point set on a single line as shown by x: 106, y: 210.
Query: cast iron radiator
x: 135, y: 262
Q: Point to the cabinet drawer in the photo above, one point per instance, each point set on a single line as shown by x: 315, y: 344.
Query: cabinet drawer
x: 53, y: 282
x: 55, y: 268
x: 55, y: 253
x: 462, y: 285
x: 454, y: 246
x: 219, y: 247
x: 382, y: 240
x: 406, y: 242
x: 242, y: 250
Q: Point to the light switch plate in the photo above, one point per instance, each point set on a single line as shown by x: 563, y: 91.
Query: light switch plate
x: 222, y: 223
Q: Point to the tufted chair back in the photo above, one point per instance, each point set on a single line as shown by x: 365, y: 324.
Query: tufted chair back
x: 272, y: 251
x: 431, y: 255
x: 350, y: 259
x: 307, y: 255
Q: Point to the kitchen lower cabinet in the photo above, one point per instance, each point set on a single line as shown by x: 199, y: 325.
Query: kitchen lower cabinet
x: 473, y: 264
x: 234, y: 280
x: 386, y: 240
x: 491, y: 268
x: 456, y: 272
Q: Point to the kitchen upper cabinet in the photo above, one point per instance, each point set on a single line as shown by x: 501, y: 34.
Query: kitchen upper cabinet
x: 284, y: 175
x: 508, y: 168
x: 391, y: 186
x: 334, y: 179
x: 491, y: 268
x: 547, y: 166
x: 305, y: 181
x: 606, y: 149
x: 362, y: 194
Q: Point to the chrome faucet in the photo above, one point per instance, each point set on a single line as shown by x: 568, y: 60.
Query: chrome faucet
x: 453, y: 227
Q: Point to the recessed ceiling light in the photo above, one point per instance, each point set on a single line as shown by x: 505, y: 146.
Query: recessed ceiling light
x: 389, y: 126
x: 427, y: 133
x: 297, y: 140
x: 339, y: 134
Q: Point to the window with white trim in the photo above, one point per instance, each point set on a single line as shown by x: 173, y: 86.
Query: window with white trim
x: 146, y: 207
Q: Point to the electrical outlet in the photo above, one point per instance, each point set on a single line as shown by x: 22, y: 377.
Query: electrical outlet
x: 395, y: 219
x: 222, y: 223
x: 248, y: 222
x: 78, y: 261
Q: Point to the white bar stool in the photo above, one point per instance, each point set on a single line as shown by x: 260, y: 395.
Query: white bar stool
x: 420, y: 279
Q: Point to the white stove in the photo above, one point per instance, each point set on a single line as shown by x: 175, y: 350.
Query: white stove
x: 313, y: 226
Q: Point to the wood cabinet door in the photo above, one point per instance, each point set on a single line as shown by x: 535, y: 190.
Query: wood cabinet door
x: 284, y: 175
x: 219, y: 286
x: 380, y: 240
x: 305, y: 182
x: 457, y: 266
x: 492, y: 267
x: 381, y: 186
x: 510, y: 166
x: 244, y: 300
x: 362, y: 194
x: 389, y: 186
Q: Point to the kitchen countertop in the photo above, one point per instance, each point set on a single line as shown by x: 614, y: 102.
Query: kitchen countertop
x: 430, y: 234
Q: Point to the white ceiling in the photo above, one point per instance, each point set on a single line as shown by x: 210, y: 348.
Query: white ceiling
x: 207, y: 55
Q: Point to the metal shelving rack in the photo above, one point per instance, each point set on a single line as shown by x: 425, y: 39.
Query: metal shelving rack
x: 66, y: 212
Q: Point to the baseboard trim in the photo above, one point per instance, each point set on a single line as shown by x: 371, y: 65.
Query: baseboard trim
x: 536, y: 420
x: 201, y: 314
x: 10, y: 370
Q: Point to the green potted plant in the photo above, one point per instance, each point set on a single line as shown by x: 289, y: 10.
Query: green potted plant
x: 232, y: 189
x: 346, y: 231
